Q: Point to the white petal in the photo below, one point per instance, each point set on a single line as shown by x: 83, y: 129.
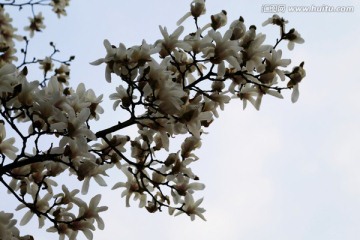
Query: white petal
x: 98, y: 62
x: 85, y: 186
x: 182, y: 19
x: 118, y: 185
x: 295, y: 93
x: 26, y: 218
x: 88, y: 234
x: 100, y: 181
x: 95, y: 200
x: 7, y: 69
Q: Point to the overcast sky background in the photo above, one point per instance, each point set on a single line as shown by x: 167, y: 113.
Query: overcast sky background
x: 288, y: 171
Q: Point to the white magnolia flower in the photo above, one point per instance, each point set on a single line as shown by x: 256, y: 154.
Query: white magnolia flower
x: 92, y: 211
x: 293, y: 37
x: 36, y: 24
x: 132, y: 187
x: 192, y: 116
x: 189, y: 145
x: 276, y: 20
x: 223, y: 49
x: 114, y: 59
x: 183, y: 186
x: 74, y: 126
x: 68, y: 197
x: 197, y: 8
x: 8, y: 230
x: 168, y: 97
x: 217, y: 99
x: 63, y: 74
x: 217, y: 21
x: 121, y: 97
x: 273, y: 61
x: 139, y: 55
x: 52, y: 95
x: 250, y: 94
x: 238, y: 29
x: 95, y: 108
x: 77, y: 98
x: 89, y: 169
x: 29, y: 93
x: 7, y: 146
x: 197, y: 42
x: 83, y: 98
x: 170, y: 42
x: 7, y: 78
x: 254, y: 53
x: 63, y: 230
x: 248, y: 37
x: 82, y: 225
x: 192, y: 208
x: 41, y: 205
x: 59, y: 7
x: 46, y: 64
x: 297, y: 74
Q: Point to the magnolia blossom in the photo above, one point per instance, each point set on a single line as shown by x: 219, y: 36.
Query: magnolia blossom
x: 197, y: 8
x: 183, y: 186
x: 255, y: 52
x: 59, y: 6
x: 139, y: 55
x: 114, y: 58
x: 252, y: 95
x: 192, y: 116
x: 8, y: 229
x: 197, y: 42
x: 293, y: 37
x: 42, y: 205
x: 46, y: 64
x: 169, y: 97
x: 7, y: 37
x: 132, y: 187
x: 68, y: 197
x: 169, y: 89
x: 297, y: 74
x: 217, y: 21
x: 28, y: 94
x: 121, y: 96
x: 36, y: 24
x: 75, y: 127
x: 87, y: 170
x: 192, y: 208
x: 238, y: 29
x: 276, y: 20
x: 224, y: 49
x: 171, y: 41
x: 7, y: 146
x: 273, y: 61
x: 92, y: 211
x: 7, y: 78
x: 62, y: 74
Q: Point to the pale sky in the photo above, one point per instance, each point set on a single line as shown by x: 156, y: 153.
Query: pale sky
x: 288, y: 171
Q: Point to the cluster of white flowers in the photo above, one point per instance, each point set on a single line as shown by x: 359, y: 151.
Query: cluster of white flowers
x: 37, y: 21
x: 59, y: 6
x: 174, y: 86
x: 63, y: 114
x: 7, y: 37
x: 7, y: 226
